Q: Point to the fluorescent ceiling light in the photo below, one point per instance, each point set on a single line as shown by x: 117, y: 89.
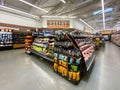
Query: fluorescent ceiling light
x: 59, y: 16
x: 33, y: 5
x: 107, y: 19
x: 103, y: 13
x: 107, y: 10
x: 86, y: 24
x: 63, y: 1
x: 17, y: 11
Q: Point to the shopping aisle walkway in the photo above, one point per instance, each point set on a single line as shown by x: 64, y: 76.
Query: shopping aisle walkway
x: 19, y: 71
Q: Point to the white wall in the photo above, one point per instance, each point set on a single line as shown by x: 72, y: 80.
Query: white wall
x: 10, y: 18
x: 117, y: 26
x: 10, y: 28
x: 78, y: 24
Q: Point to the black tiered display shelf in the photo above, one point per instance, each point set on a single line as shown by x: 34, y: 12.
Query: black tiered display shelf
x: 72, y: 55
x: 68, y: 59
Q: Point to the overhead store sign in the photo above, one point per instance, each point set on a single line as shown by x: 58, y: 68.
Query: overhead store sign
x: 58, y: 24
x: 108, y: 32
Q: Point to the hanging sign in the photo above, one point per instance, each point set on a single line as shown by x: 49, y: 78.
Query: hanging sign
x: 58, y: 24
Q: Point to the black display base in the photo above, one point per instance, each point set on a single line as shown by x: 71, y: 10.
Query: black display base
x: 72, y: 81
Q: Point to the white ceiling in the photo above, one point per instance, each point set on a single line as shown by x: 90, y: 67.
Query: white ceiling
x: 80, y: 8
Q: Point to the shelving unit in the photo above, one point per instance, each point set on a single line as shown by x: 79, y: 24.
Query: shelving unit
x: 86, y: 45
x: 67, y: 58
x: 28, y: 44
x: 6, y: 39
x: 115, y: 38
x: 43, y: 47
x: 19, y: 38
x: 72, y: 55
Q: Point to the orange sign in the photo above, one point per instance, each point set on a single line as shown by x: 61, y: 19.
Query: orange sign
x: 58, y: 24
x: 108, y: 31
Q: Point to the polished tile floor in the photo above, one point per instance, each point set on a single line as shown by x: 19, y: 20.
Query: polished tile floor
x: 19, y: 71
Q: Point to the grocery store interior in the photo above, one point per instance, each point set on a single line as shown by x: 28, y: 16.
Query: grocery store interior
x: 59, y: 44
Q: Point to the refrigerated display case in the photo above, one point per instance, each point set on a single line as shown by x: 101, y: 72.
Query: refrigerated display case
x: 6, y: 39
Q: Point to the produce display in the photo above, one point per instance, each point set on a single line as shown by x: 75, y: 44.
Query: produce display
x: 28, y: 44
x: 5, y: 38
x: 67, y: 58
x: 116, y: 39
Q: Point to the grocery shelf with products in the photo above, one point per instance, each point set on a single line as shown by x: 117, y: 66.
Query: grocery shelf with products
x: 87, y: 48
x: 115, y: 38
x: 35, y: 34
x: 28, y: 44
x: 43, y: 46
x: 19, y: 38
x: 6, y: 39
x: 67, y: 58
x: 72, y: 54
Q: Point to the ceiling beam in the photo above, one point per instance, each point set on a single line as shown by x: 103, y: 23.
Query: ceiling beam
x: 74, y: 7
x: 48, y: 6
x: 59, y: 5
x: 38, y: 3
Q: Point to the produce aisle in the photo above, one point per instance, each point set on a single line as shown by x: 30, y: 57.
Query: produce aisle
x: 19, y: 71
